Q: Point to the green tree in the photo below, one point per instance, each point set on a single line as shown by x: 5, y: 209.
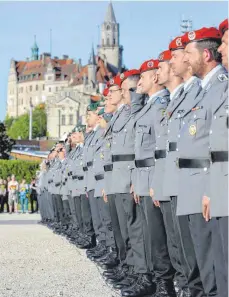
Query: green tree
x: 5, y: 143
x: 20, y: 126
x: 8, y: 122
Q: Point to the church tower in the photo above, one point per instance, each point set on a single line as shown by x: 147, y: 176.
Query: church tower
x: 34, y: 50
x: 109, y: 49
x: 92, y: 68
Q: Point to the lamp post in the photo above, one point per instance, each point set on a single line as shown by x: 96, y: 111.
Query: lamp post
x: 30, y: 120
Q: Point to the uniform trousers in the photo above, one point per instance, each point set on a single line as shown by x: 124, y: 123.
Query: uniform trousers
x: 129, y: 215
x: 74, y: 219
x: 55, y: 208
x: 60, y: 209
x: 202, y: 240
x: 155, y: 240
x: 49, y: 204
x: 86, y: 216
x: 186, y: 251
x: 78, y: 208
x: 106, y: 221
x: 123, y: 247
x: 97, y: 223
x: 220, y: 253
x: 66, y: 212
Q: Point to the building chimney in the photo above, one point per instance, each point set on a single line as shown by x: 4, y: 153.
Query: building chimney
x: 65, y: 57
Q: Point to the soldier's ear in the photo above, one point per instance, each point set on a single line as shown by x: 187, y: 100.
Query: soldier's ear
x: 155, y: 77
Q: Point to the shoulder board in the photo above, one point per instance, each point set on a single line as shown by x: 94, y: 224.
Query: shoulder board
x: 127, y: 107
x: 223, y: 77
x: 162, y: 100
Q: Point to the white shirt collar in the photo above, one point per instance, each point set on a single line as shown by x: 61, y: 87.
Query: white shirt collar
x: 158, y: 93
x: 174, y: 92
x: 120, y: 106
x: 210, y: 74
x: 189, y: 82
x: 96, y: 128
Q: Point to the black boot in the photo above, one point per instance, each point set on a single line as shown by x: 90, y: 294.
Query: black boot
x: 141, y: 287
x: 128, y: 281
x: 121, y: 273
x: 165, y: 289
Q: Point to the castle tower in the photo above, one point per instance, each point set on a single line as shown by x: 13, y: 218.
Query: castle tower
x: 109, y: 48
x: 12, y: 98
x: 92, y: 68
x: 34, y: 50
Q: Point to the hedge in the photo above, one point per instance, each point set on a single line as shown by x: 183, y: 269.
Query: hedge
x: 21, y: 169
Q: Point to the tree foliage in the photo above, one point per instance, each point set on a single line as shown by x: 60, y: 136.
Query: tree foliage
x: 5, y: 143
x: 19, y: 127
x: 20, y: 168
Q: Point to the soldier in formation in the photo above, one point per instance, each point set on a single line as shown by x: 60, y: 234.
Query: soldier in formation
x: 143, y: 186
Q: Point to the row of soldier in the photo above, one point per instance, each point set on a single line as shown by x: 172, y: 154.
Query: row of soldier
x: 144, y: 188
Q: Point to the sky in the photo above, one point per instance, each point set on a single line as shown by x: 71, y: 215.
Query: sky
x: 145, y: 29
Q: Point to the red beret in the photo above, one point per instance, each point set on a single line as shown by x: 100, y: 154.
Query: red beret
x: 223, y: 26
x: 105, y: 92
x: 149, y: 65
x: 165, y: 56
x: 201, y: 34
x: 176, y: 44
x: 128, y: 73
x: 115, y: 81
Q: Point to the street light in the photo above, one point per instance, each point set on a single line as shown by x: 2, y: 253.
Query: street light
x: 30, y: 119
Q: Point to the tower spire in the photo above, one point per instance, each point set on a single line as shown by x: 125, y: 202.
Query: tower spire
x: 110, y: 16
x: 92, y: 56
x: 34, y: 50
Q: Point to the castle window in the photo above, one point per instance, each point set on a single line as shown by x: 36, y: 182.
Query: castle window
x: 49, y: 77
x: 56, y: 89
x: 108, y: 41
x: 22, y: 101
x: 108, y: 27
x: 36, y: 87
x: 21, y: 89
x: 50, y: 90
x: 103, y: 41
x: 30, y: 88
x: 114, y: 40
x: 43, y: 87
x: 63, y: 120
x: 71, y: 119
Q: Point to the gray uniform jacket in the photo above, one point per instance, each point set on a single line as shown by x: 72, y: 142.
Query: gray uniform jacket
x: 64, y: 191
x: 89, y: 150
x: 123, y: 136
x: 57, y: 178
x: 218, y: 184
x: 78, y: 185
x: 147, y: 122
x: 194, y: 145
x: 161, y: 142
x: 174, y: 113
x: 51, y: 174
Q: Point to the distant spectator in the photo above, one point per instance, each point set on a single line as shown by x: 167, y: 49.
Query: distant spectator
x: 13, y: 194
x: 23, y: 191
x: 3, y: 195
x: 33, y: 196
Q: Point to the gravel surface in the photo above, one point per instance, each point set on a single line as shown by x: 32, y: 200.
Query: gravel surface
x: 35, y: 262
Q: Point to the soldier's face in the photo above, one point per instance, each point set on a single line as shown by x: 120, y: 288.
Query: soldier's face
x: 125, y: 91
x: 115, y: 95
x: 163, y: 73
x: 109, y: 108
x: 178, y: 64
x: 92, y: 118
x: 195, y: 58
x: 146, y: 81
x: 223, y: 49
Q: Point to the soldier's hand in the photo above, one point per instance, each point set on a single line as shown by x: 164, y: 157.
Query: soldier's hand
x: 104, y: 196
x: 151, y: 192
x: 156, y: 203
x: 132, y: 189
x: 206, y: 208
x: 136, y: 199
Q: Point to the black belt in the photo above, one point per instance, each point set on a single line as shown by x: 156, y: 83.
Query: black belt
x: 69, y: 173
x: 145, y: 163
x: 57, y: 185
x: 118, y: 158
x: 85, y: 168
x: 89, y: 164
x: 220, y: 156
x: 160, y: 154
x: 99, y: 177
x: 108, y: 167
x: 66, y: 179
x: 172, y: 146
x: 63, y: 183
x: 194, y: 163
x: 77, y: 177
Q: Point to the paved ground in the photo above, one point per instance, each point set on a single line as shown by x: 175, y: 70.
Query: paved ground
x: 35, y: 262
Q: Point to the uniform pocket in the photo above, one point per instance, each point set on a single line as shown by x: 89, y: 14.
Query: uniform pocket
x: 143, y: 133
